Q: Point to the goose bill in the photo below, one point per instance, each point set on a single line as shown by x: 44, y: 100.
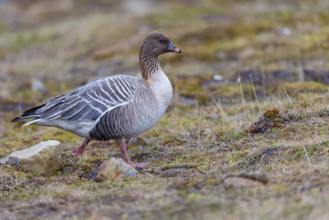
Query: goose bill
x: 173, y: 48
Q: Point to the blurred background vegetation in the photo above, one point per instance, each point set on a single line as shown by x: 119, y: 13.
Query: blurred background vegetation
x: 251, y: 94
x: 56, y: 46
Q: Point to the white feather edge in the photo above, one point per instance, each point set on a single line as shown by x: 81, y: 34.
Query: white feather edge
x: 30, y: 122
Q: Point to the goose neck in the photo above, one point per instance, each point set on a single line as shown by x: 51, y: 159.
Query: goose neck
x: 148, y: 64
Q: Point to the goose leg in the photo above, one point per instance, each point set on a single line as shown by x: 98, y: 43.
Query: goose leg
x: 79, y: 151
x: 126, y: 158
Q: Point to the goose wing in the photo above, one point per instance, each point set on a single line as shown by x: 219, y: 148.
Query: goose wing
x: 87, y: 103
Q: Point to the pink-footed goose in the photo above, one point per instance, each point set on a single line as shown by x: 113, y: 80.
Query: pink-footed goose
x: 117, y: 107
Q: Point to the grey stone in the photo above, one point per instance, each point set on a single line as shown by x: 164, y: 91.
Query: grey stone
x: 114, y: 169
x: 240, y: 182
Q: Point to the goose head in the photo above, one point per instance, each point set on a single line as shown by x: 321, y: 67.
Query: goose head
x: 157, y: 43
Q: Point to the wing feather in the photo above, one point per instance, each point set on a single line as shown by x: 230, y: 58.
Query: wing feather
x: 89, y: 102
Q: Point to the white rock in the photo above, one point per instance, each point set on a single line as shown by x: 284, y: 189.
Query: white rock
x: 26, y: 153
x: 285, y: 31
x: 43, y: 158
x: 218, y: 77
x: 37, y: 85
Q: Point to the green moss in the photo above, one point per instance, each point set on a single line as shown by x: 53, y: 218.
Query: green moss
x: 316, y: 87
x: 181, y: 14
x: 227, y: 93
x: 235, y: 158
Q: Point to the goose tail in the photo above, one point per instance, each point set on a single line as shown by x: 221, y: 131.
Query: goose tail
x: 30, y: 113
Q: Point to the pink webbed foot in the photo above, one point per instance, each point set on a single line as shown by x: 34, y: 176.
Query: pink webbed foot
x: 79, y: 152
x: 126, y: 158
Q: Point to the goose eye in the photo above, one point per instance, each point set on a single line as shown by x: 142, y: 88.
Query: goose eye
x: 162, y: 41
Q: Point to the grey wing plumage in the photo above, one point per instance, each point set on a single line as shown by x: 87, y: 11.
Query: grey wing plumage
x: 87, y: 103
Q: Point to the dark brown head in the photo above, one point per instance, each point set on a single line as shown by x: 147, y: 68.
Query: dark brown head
x: 157, y: 43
